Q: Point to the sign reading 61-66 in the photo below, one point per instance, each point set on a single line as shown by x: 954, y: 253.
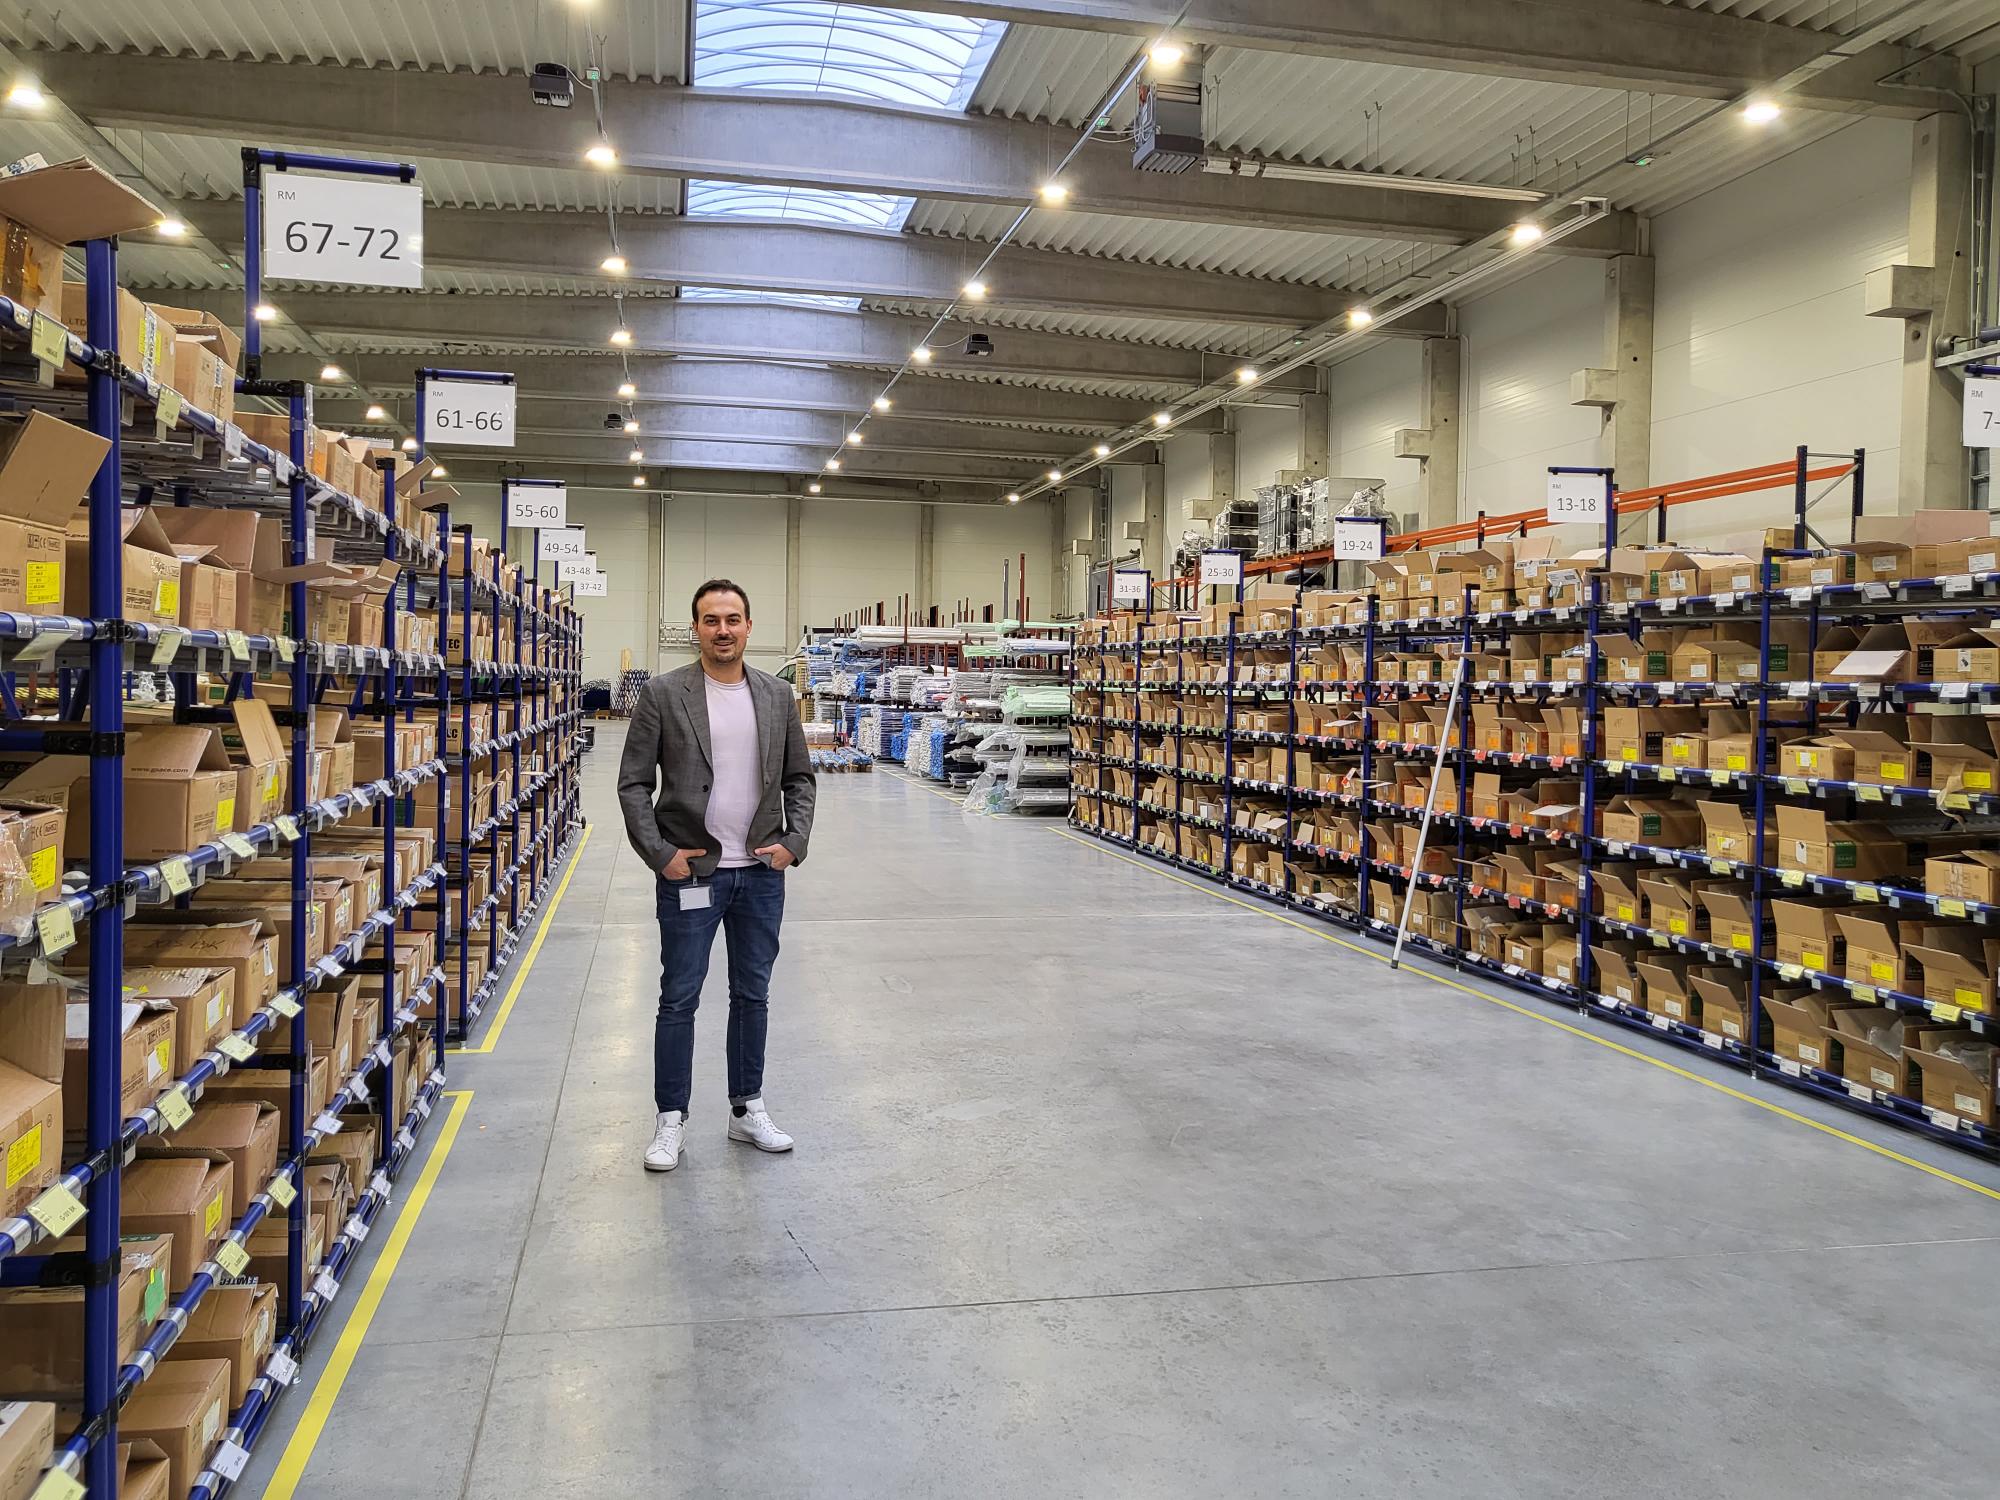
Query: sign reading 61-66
x: 351, y: 231
x: 469, y: 413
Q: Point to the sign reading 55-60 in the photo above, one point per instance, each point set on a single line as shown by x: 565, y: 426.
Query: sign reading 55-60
x: 348, y: 231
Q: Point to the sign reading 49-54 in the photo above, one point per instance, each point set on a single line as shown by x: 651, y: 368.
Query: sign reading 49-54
x: 349, y: 231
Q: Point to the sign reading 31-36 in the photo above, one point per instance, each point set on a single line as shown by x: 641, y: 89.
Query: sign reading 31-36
x: 350, y: 231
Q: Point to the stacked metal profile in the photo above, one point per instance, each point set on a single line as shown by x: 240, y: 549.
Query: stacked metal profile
x: 161, y: 448
x: 1300, y: 763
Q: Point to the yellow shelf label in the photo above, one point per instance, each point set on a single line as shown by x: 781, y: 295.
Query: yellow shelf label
x: 56, y: 928
x: 1868, y: 893
x: 232, y: 1257
x: 1792, y: 877
x: 175, y: 1109
x: 57, y: 1485
x: 239, y: 645
x: 56, y: 1210
x: 175, y: 872
x: 1949, y: 907
x: 235, y: 1048
x: 1946, y: 1012
x: 169, y: 407
x: 49, y: 340
x: 282, y: 1192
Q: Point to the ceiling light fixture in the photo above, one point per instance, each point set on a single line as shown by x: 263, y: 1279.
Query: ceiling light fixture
x: 636, y: 456
x: 375, y: 414
x: 883, y: 403
x: 263, y: 312
x: 630, y: 425
x: 628, y: 389
x: 854, y: 437
x: 833, y: 466
x: 1014, y: 499
x: 172, y: 229
x: 921, y: 355
x: 1102, y: 450
x: 813, y: 488
x: 976, y: 290
x: 615, y: 264
x: 1246, y: 376
x: 601, y: 155
x: 332, y: 372
x: 26, y: 95
x: 409, y: 445
x: 1163, y: 418
x: 1055, y: 194
x: 1291, y: 171
x: 1527, y: 232
x: 638, y: 479
x: 1055, y: 476
x: 1761, y: 111
x: 1168, y: 55
x: 1359, y: 317
x: 621, y: 336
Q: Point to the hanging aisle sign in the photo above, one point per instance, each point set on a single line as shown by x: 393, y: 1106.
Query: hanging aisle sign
x: 1221, y: 569
x: 349, y: 231
x: 592, y: 586
x: 1579, y: 497
x: 560, y: 545
x: 1359, y: 538
x: 537, y: 503
x: 1128, y: 586
x: 577, y: 567
x: 1982, y: 413
x: 469, y: 413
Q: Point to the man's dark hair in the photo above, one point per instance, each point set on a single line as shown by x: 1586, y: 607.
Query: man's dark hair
x: 720, y: 586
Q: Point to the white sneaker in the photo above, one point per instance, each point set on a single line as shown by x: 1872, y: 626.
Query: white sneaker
x: 754, y: 1127
x: 665, y: 1152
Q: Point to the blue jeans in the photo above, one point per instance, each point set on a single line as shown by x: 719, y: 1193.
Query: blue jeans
x: 747, y: 904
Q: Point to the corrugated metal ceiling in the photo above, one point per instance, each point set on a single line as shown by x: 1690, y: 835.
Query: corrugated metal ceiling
x: 645, y: 40
x: 1970, y: 28
x: 1234, y: 338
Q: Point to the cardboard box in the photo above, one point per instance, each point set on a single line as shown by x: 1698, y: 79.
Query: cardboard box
x: 1968, y: 875
x: 259, y: 751
x: 27, y: 1436
x: 183, y: 1407
x: 152, y: 569
x: 1615, y: 965
x: 1957, y: 964
x: 46, y: 466
x: 1618, y: 894
x: 202, y: 999
x: 1671, y: 904
x: 36, y: 830
x: 1874, y: 951
x: 234, y: 1324
x: 268, y: 1086
x: 246, y: 947
x: 205, y: 355
x: 1955, y: 1074
x: 31, y: 1093
x: 145, y: 341
x: 1659, y: 821
x: 41, y: 1328
x: 187, y: 1197
x: 244, y: 1130
x: 226, y: 541
x: 180, y: 790
x: 1638, y: 736
x: 1830, y: 759
x: 1666, y: 989
x: 1871, y: 1042
x: 1800, y: 1020
x: 1809, y: 935
x: 1723, y: 995
x: 1810, y: 841
x: 146, y: 1056
x: 144, y: 1473
x: 1730, y: 926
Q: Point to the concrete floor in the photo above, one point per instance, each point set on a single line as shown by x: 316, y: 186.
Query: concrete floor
x: 1108, y: 1187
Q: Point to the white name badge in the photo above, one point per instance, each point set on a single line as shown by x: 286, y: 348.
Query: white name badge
x: 695, y: 898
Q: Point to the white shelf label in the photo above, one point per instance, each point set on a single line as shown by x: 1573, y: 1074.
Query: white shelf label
x: 350, y: 231
x: 538, y: 505
x: 1578, y: 497
x: 470, y: 414
x: 576, y: 567
x: 557, y: 545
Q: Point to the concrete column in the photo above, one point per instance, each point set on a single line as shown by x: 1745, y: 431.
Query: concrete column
x: 926, y: 559
x: 1315, y: 414
x: 1221, y: 477
x: 794, y: 572
x: 1156, y: 550
x: 1933, y: 469
x: 1444, y: 363
x: 1627, y: 440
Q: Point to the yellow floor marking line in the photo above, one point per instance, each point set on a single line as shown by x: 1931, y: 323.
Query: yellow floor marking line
x: 1423, y: 972
x: 305, y: 1437
x: 528, y: 958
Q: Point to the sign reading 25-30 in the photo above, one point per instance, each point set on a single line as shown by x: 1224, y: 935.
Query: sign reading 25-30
x: 347, y: 231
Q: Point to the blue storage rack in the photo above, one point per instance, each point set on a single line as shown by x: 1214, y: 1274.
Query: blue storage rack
x: 1116, y: 701
x: 161, y: 447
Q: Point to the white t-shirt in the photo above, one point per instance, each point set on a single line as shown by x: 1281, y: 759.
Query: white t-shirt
x: 739, y: 778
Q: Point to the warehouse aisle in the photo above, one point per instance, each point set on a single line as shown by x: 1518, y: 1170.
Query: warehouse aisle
x: 1107, y: 1186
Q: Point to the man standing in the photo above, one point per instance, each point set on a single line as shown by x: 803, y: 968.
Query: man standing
x: 724, y: 746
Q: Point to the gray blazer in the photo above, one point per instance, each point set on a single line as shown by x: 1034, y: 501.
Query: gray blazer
x: 668, y: 747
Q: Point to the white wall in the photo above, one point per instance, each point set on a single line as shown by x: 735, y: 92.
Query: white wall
x: 1371, y: 396
x: 1521, y: 345
x: 617, y: 527
x: 970, y: 543
x: 1267, y: 440
x: 735, y: 539
x: 1128, y: 503
x: 1760, y: 343
x: 1187, y: 480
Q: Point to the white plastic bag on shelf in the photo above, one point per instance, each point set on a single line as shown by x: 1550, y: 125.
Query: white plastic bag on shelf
x: 17, y: 891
